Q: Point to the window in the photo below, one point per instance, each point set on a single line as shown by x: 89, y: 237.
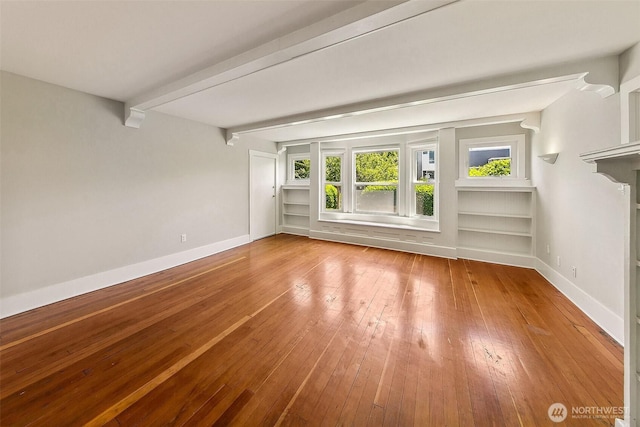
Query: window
x: 332, y: 188
x: 395, y: 183
x: 423, y: 180
x: 376, y: 182
x: 299, y: 168
x: 494, y: 160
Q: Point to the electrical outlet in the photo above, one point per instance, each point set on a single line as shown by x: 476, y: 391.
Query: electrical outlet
x: 558, y: 260
x: 574, y: 271
x: 183, y: 238
x: 548, y: 249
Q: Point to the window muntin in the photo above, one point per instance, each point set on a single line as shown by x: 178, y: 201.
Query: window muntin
x: 376, y: 181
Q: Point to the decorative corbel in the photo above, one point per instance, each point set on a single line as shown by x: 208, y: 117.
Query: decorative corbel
x: 133, y: 117
x: 231, y: 138
x: 531, y: 121
x: 604, y: 90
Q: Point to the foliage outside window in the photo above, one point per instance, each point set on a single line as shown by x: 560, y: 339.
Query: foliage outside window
x: 302, y: 169
x: 423, y: 184
x: 333, y: 182
x: 490, y: 161
x: 376, y: 183
x: 299, y: 168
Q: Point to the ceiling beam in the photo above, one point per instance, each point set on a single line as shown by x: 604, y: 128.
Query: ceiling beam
x: 529, y: 120
x: 365, y: 18
x: 599, y: 76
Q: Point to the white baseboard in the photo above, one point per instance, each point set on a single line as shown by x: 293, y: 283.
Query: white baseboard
x: 622, y: 423
x: 525, y: 261
x: 605, y: 318
x: 15, y: 304
x: 298, y: 231
x: 398, y: 245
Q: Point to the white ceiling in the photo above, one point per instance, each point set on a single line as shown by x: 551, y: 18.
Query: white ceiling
x: 124, y: 50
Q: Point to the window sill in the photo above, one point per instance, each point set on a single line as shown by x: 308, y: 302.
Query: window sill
x: 296, y: 186
x: 493, y: 182
x: 435, y: 225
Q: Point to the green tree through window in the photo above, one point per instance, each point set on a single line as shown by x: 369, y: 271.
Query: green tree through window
x: 498, y: 167
x: 379, y: 166
x: 302, y: 169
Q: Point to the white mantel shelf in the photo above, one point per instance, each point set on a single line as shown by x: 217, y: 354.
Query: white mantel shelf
x: 621, y: 164
x: 618, y: 152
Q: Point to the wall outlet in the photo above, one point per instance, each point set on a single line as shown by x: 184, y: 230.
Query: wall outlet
x: 183, y: 238
x: 558, y: 260
x: 574, y: 271
x: 548, y: 249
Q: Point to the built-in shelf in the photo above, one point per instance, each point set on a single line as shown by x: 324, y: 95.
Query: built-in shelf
x: 494, y: 214
x: 296, y: 214
x: 507, y: 233
x: 497, y: 188
x: 496, y: 224
x: 295, y: 209
x: 498, y: 252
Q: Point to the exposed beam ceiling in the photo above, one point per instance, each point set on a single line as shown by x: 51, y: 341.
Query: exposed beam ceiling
x: 263, y: 65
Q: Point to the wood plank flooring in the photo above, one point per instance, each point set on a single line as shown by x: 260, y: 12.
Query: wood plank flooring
x: 293, y: 331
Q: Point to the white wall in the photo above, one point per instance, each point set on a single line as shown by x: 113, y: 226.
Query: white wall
x: 580, y: 213
x: 630, y: 63
x: 83, y: 195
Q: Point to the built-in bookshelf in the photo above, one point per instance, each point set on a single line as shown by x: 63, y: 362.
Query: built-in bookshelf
x: 497, y: 224
x: 295, y: 209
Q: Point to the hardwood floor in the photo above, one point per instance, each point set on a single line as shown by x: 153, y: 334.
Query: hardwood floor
x: 293, y: 331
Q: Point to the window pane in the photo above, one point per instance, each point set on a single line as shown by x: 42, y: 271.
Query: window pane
x: 425, y: 165
x: 333, y: 168
x: 378, y: 166
x: 333, y: 197
x: 377, y: 198
x: 424, y: 199
x: 301, y: 169
x: 490, y: 161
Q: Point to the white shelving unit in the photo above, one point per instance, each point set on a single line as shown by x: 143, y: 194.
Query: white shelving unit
x: 497, y: 224
x: 295, y: 209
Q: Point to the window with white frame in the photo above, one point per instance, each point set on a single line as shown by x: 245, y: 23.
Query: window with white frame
x: 332, y: 185
x: 392, y: 183
x: 423, y: 181
x: 493, y: 160
x: 375, y: 184
x: 299, y: 168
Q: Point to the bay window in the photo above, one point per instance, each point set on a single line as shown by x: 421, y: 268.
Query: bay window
x: 392, y: 183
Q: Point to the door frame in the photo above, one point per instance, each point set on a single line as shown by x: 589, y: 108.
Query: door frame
x: 252, y: 155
